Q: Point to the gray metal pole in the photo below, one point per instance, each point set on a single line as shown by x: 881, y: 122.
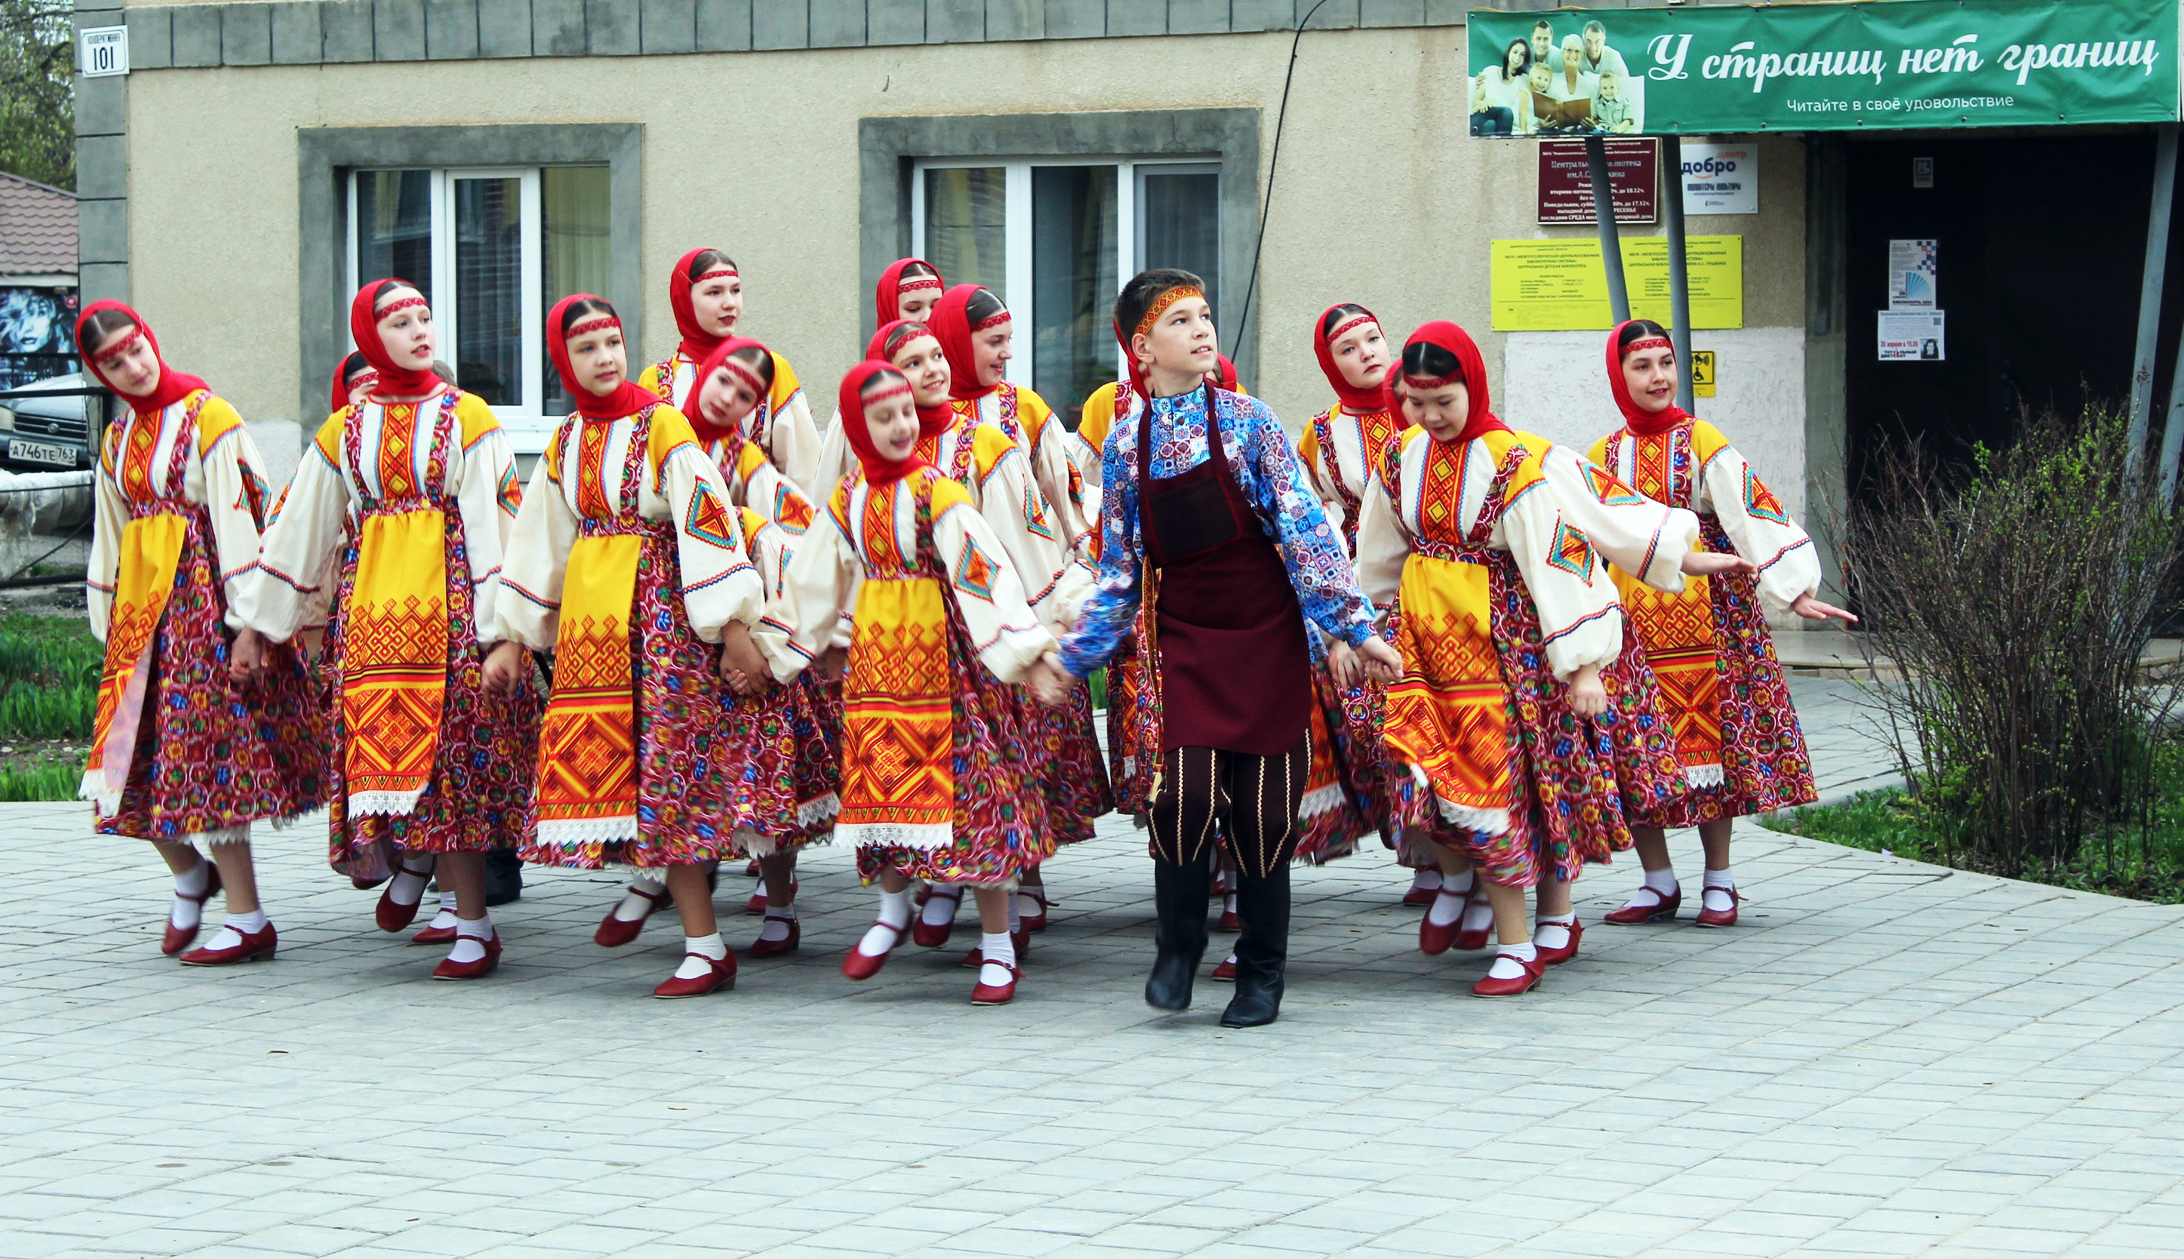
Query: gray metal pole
x: 1611, y: 244
x: 2149, y: 316
x: 2172, y: 430
x: 1679, y: 280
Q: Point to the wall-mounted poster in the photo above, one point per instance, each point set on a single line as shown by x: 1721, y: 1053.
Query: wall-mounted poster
x: 36, y: 335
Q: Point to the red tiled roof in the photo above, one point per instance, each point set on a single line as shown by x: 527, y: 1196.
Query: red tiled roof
x: 37, y: 228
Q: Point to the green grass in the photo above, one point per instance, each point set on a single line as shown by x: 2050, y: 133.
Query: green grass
x: 1096, y: 682
x: 56, y: 781
x: 2116, y: 863
x: 49, y: 677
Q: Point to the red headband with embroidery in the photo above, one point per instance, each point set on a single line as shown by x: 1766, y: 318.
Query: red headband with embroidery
x: 697, y: 343
x: 1357, y: 401
x: 887, y: 297
x: 625, y: 398
x: 171, y: 387
x: 1639, y: 420
x: 374, y: 302
x: 1470, y: 369
x: 951, y: 326
x: 852, y: 399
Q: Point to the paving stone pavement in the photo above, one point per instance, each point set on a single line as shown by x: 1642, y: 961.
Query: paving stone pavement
x: 1885, y: 1059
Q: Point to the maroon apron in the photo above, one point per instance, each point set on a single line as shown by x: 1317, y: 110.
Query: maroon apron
x: 1235, y: 673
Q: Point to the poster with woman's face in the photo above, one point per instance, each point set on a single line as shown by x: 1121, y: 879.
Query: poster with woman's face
x: 1550, y: 82
x: 34, y: 335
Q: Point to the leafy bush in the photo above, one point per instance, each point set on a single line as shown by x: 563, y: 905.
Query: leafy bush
x: 49, y: 677
x: 40, y: 782
x: 2017, y: 599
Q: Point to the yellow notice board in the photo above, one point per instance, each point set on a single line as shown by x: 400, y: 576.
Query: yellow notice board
x: 1559, y: 285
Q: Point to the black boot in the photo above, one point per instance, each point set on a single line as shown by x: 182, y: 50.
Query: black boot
x: 1262, y: 949
x: 1179, y: 897
x: 503, y: 876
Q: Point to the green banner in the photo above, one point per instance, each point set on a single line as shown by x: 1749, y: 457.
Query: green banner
x: 1822, y: 67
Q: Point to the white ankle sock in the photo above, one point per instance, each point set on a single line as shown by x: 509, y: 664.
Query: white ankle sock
x: 1024, y: 904
x: 1509, y: 963
x: 1552, y: 931
x: 776, y: 926
x: 1478, y: 912
x: 470, y: 938
x: 1467, y: 882
x: 1228, y: 903
x: 1662, y: 880
x: 190, y: 913
x: 1655, y: 891
x: 446, y: 919
x: 1719, y: 883
x: 711, y: 946
x: 634, y: 905
x: 999, y: 953
x: 1448, y: 906
x: 1427, y: 880
x: 940, y: 907
x: 408, y: 887
x: 895, y: 912
x: 237, y: 925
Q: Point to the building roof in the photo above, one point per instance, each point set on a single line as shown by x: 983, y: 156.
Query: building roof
x: 37, y: 228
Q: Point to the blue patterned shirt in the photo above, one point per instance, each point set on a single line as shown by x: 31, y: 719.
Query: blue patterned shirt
x: 1266, y: 471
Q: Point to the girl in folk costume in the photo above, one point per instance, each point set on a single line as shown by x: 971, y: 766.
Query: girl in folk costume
x: 730, y: 383
x: 1199, y: 486
x: 908, y: 289
x: 937, y: 782
x: 353, y: 380
x: 993, y: 470
x: 1523, y: 721
x: 181, y: 751
x: 401, y: 506
x: 628, y: 561
x: 1736, y: 732
x: 706, y: 292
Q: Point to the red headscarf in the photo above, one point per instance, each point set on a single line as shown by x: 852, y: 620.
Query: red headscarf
x: 1354, y: 400
x: 1470, y: 368
x: 625, y: 399
x: 718, y: 358
x: 352, y: 364
x: 877, y: 470
x: 888, y: 296
x: 1224, y: 375
x: 171, y: 387
x: 932, y: 421
x: 951, y: 325
x: 1640, y: 421
x: 395, y: 381
x: 697, y: 343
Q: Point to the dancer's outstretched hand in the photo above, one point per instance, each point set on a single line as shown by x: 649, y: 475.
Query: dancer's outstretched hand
x: 1588, y: 698
x: 1715, y: 563
x: 1813, y: 610
x: 506, y: 666
x: 1381, y: 662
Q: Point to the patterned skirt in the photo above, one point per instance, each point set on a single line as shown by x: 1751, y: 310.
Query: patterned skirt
x: 211, y: 755
x: 1330, y: 818
x: 1764, y: 762
x: 706, y: 763
x: 1130, y: 773
x: 1001, y: 826
x: 1072, y: 774
x: 1573, y: 775
x: 482, y: 774
x: 809, y: 713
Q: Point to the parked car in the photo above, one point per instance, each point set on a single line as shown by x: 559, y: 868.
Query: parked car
x: 49, y: 425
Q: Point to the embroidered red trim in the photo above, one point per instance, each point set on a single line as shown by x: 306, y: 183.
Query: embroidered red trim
x: 594, y: 325
x: 892, y: 391
x: 744, y: 374
x: 991, y: 321
x: 730, y: 272
x: 1356, y: 321
x: 1163, y: 302
x: 1433, y: 382
x: 1648, y: 343
x: 404, y: 304
x: 917, y: 282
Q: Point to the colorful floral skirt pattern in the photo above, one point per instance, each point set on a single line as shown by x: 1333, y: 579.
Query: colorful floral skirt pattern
x: 816, y: 725
x: 482, y: 776
x: 1072, y: 773
x: 211, y: 755
x: 1001, y: 826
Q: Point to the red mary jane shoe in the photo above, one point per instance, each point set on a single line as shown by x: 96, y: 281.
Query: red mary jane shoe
x: 1434, y: 938
x: 752, y: 870
x: 1420, y: 897
x: 932, y: 937
x: 256, y: 944
x: 1492, y: 987
x: 757, y: 903
x: 863, y: 965
x: 392, y: 916
x: 1035, y: 923
x: 434, y: 935
x: 764, y: 948
x: 1662, y: 909
x: 1228, y: 920
x: 1476, y: 937
x: 176, y: 938
x: 613, y: 932
x: 1720, y: 917
x: 997, y: 994
x: 719, y: 976
x: 1556, y: 957
x: 1225, y: 973
x: 1020, y: 939
x: 449, y: 968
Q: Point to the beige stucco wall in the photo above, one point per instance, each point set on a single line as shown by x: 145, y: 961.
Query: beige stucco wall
x: 1381, y: 196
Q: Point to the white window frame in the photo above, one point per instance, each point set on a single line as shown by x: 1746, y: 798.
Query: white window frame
x: 1017, y: 287
x: 528, y: 425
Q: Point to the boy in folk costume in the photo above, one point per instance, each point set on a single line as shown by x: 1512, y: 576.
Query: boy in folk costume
x: 937, y: 782
x: 628, y: 561
x: 727, y: 389
x: 182, y: 751
x: 1239, y: 554
x: 1736, y: 732
x: 1524, y: 723
x: 401, y: 506
x: 706, y: 291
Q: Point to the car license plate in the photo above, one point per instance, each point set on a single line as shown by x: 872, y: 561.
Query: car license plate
x: 39, y: 452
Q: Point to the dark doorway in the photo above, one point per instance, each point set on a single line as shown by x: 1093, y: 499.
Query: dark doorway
x: 2041, y: 243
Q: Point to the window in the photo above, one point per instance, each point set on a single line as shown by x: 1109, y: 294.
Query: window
x: 492, y: 250
x: 1056, y: 239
